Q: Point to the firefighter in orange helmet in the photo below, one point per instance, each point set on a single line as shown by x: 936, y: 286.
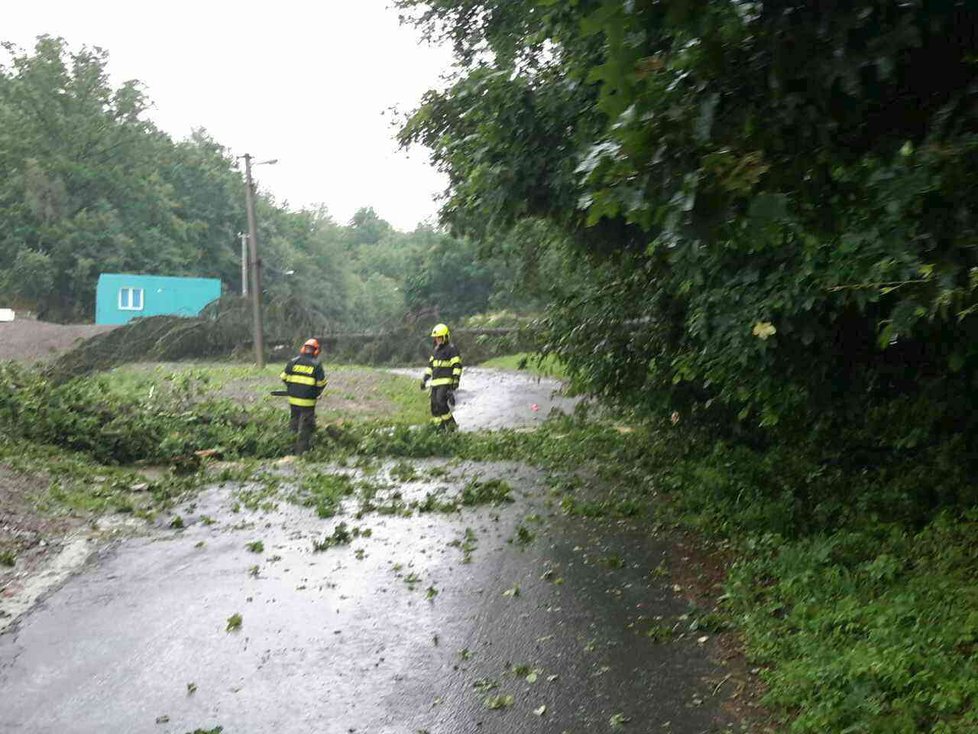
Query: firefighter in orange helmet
x: 305, y: 381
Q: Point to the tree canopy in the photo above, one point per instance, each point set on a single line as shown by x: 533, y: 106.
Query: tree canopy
x: 769, y: 206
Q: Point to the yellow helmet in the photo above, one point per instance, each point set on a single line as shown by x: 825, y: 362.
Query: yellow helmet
x: 439, y: 330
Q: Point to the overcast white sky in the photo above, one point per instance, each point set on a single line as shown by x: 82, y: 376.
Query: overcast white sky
x: 318, y: 77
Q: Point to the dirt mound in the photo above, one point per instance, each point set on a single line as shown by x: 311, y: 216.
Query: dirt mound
x: 27, y: 340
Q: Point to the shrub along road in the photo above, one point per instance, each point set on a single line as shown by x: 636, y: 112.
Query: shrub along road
x: 372, y: 596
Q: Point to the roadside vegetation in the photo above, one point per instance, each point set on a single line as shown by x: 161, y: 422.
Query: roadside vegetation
x: 136, y: 438
x: 758, y: 230
x: 835, y: 589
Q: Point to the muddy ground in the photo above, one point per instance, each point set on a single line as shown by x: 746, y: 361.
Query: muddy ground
x: 26, y: 534
x: 494, y: 618
x: 27, y: 340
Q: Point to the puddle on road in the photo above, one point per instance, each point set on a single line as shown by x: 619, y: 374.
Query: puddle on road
x: 492, y: 399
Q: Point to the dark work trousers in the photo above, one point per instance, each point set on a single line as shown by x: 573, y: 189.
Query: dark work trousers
x: 441, y: 411
x: 302, y: 422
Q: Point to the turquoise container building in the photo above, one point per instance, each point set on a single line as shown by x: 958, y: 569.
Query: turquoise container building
x: 120, y: 297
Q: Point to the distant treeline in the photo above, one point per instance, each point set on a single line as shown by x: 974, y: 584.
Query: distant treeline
x: 90, y: 185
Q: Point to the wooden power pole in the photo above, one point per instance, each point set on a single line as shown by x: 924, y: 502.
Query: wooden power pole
x: 254, y: 266
x: 244, y: 264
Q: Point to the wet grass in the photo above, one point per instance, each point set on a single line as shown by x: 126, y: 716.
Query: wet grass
x: 403, y: 471
x: 259, y: 492
x: 523, y: 536
x: 486, y: 492
x: 354, y: 392
x: 72, y: 481
x: 324, y: 491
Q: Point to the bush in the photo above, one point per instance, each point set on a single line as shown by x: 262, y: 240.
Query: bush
x: 87, y: 414
x: 869, y: 630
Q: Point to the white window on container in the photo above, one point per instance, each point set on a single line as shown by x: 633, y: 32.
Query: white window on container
x: 130, y: 299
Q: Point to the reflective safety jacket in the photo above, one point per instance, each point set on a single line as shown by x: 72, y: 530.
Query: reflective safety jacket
x: 444, y: 366
x: 304, y: 380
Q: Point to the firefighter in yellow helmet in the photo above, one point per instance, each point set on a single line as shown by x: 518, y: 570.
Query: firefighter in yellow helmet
x: 444, y: 371
x: 305, y: 381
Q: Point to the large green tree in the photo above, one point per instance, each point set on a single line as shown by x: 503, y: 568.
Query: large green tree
x: 771, y: 205
x: 92, y: 186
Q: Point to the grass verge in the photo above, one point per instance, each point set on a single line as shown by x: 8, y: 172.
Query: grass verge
x: 354, y: 392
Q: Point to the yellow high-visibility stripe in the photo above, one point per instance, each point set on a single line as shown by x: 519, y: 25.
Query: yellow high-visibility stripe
x: 302, y: 402
x: 321, y: 383
x: 300, y: 379
x: 283, y: 376
x: 303, y: 368
x: 428, y: 372
x: 446, y: 362
x: 457, y: 371
x: 442, y: 381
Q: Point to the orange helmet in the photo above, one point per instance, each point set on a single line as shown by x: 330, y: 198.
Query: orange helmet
x: 311, y: 347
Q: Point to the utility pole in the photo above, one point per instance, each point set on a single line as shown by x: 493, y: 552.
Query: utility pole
x: 244, y: 263
x: 255, y: 266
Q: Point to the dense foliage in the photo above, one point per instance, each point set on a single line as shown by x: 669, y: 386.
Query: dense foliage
x: 90, y: 185
x: 769, y: 205
x: 765, y: 214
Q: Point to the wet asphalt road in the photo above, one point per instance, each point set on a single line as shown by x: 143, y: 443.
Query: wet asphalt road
x: 489, y: 398
x: 392, y: 633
